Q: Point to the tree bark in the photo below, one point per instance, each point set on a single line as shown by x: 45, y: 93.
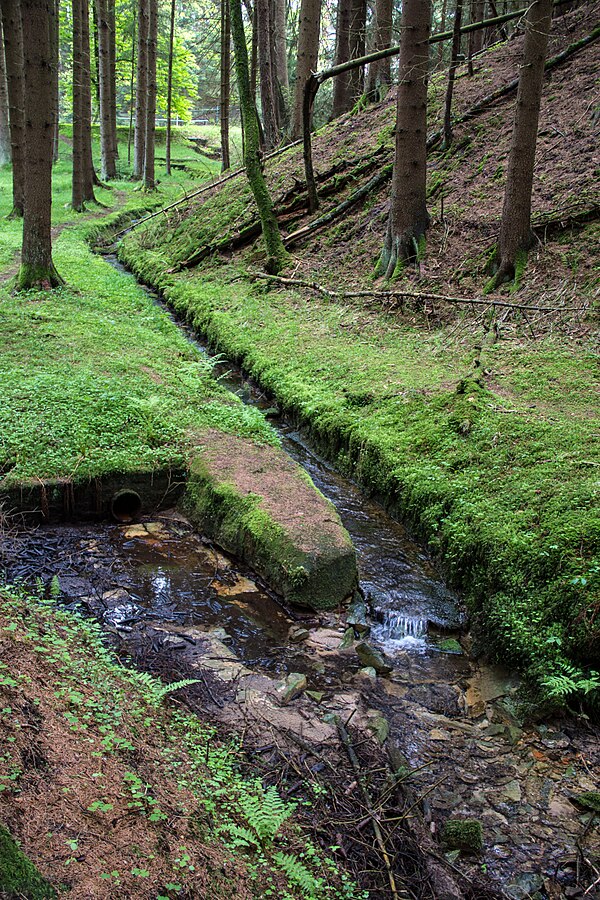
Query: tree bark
x: 515, y: 229
x: 13, y: 47
x: 225, y: 94
x: 280, y: 45
x: 5, y: 154
x: 77, y: 178
x: 54, y: 45
x: 358, y: 24
x: 89, y: 174
x: 379, y: 74
x: 141, y: 89
x: 149, y: 176
x: 37, y: 268
x: 308, y: 54
x: 276, y: 254
x: 409, y: 219
x: 170, y: 89
x: 107, y: 149
x: 452, y: 74
x: 341, y: 86
x: 268, y: 91
x: 112, y: 47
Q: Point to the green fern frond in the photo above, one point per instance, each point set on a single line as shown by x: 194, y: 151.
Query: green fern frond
x: 297, y: 873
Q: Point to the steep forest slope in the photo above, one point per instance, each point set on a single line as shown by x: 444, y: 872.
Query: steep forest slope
x: 476, y: 421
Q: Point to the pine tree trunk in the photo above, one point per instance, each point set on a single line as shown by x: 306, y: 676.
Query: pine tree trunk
x: 5, y: 154
x: 379, y: 75
x: 109, y: 169
x: 131, y: 86
x: 280, y: 45
x: 342, y: 100
x: 149, y: 176
x: 358, y: 24
x: 141, y: 90
x: 54, y: 42
x: 452, y: 73
x: 170, y: 89
x: 112, y: 46
x: 37, y: 269
x: 515, y: 230
x: 268, y: 91
x: 276, y: 254
x: 77, y: 180
x: 442, y: 28
x: 409, y: 219
x: 89, y: 173
x: 13, y: 47
x: 308, y: 53
x: 225, y: 94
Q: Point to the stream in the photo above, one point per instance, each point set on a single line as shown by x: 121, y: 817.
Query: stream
x: 158, y: 585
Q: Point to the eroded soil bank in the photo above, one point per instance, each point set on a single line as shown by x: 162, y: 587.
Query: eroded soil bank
x: 177, y: 605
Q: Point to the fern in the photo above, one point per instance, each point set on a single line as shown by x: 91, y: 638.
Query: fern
x: 242, y: 837
x: 265, y: 813
x: 297, y: 873
x: 157, y: 691
x: 571, y: 682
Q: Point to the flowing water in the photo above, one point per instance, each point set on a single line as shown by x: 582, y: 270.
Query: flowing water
x: 157, y: 583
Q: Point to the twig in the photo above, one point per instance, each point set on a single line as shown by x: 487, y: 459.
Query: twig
x: 346, y: 741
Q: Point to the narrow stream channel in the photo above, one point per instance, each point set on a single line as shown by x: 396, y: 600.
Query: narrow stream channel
x: 159, y: 587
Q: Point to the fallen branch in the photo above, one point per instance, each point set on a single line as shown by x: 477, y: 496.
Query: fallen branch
x: 409, y: 295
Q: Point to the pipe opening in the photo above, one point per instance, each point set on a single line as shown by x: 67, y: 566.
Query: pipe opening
x: 126, y: 505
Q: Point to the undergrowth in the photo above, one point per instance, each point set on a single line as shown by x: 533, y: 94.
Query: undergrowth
x: 140, y: 798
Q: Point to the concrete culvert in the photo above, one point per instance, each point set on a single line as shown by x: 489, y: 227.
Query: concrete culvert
x: 126, y: 505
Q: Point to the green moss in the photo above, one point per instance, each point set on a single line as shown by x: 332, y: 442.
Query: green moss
x: 319, y: 578
x: 590, y: 800
x: 18, y: 876
x: 463, y: 834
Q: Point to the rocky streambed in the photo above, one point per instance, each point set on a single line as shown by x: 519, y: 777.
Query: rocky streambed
x: 446, y: 724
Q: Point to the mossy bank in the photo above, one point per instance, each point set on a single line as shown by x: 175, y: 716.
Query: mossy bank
x: 502, y: 486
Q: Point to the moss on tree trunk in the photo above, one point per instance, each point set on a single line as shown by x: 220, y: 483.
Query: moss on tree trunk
x: 276, y: 254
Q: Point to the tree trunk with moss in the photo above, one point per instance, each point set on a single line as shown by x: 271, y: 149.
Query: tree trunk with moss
x: 515, y: 229
x: 409, y: 219
x: 350, y: 44
x: 276, y: 254
x: 37, y: 268
x: 13, y: 48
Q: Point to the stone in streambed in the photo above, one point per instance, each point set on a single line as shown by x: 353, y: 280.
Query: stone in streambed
x: 378, y: 725
x: 258, y: 504
x: 357, y: 615
x: 375, y: 659
x: 298, y: 633
x: 463, y: 834
x: 292, y: 687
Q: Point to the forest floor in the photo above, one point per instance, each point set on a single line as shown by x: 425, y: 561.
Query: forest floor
x: 476, y: 422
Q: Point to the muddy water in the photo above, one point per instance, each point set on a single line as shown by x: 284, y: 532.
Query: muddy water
x: 157, y: 584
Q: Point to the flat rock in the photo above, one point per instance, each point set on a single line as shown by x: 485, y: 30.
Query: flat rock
x: 258, y: 504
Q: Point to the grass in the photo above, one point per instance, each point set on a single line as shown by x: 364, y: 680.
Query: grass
x: 497, y: 474
x: 94, y: 378
x: 113, y: 791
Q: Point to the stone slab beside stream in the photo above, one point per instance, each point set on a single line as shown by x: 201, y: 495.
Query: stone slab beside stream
x: 258, y: 504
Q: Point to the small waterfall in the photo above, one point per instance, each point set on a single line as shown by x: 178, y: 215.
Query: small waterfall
x: 396, y: 625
